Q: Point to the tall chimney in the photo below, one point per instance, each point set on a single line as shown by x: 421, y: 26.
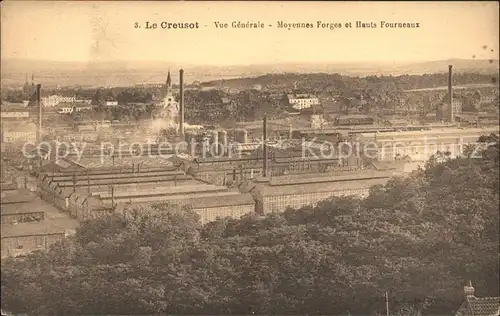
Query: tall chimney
x: 450, y: 93
x: 181, y: 102
x: 40, y: 111
x: 264, y: 144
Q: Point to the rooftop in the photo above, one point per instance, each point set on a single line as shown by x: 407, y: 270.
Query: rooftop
x: 434, y: 132
x: 329, y: 177
x: 265, y: 189
x: 475, y: 306
x: 219, y: 201
x: 24, y: 208
x: 19, y: 197
x: 31, y: 229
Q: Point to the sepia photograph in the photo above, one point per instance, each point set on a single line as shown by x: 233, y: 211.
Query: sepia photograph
x: 250, y: 158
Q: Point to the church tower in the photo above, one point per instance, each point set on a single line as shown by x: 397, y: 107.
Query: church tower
x: 169, y: 83
x: 169, y: 99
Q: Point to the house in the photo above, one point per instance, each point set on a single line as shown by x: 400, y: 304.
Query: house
x: 65, y: 107
x: 54, y: 100
x: 302, y: 101
x: 111, y: 103
x: 478, y: 306
x: 19, y: 133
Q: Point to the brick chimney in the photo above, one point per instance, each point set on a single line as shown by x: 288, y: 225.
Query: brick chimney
x: 181, y: 102
x: 450, y: 93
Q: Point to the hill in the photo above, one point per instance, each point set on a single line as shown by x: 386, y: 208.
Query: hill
x: 127, y: 73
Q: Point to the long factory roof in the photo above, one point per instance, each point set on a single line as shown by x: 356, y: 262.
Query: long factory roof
x: 330, y: 177
x: 19, y: 197
x: 166, y: 191
x: 221, y: 200
x: 150, y: 179
x: 433, y: 132
x: 265, y: 189
x: 31, y: 229
x: 115, y: 175
x: 175, y: 198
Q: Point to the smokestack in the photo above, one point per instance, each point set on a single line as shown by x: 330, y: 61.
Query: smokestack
x: 215, y: 143
x: 40, y: 112
x: 450, y: 93
x: 264, y: 144
x: 224, y: 142
x: 181, y: 102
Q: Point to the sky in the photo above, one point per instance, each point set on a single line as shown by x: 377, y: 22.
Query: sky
x: 104, y: 31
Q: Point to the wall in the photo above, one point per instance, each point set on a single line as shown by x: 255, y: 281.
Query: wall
x: 280, y: 203
x: 23, y: 217
x: 211, y: 214
x: 422, y: 150
x: 12, y: 246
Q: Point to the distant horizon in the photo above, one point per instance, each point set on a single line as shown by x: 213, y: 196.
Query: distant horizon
x: 262, y: 63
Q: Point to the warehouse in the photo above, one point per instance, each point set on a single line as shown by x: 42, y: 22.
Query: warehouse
x: 213, y: 207
x: 421, y: 145
x: 12, y: 214
x: 279, y: 193
x: 24, y: 238
x: 188, y: 191
x: 230, y: 204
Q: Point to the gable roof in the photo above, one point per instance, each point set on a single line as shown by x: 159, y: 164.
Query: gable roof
x: 485, y: 306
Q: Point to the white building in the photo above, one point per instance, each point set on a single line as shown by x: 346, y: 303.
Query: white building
x: 66, y: 108
x: 54, y: 100
x: 19, y: 133
x: 111, y: 103
x: 302, y: 101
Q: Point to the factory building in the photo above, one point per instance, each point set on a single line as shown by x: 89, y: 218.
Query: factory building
x: 16, y: 208
x: 18, y: 133
x: 14, y: 114
x: 209, y: 208
x: 24, y: 238
x: 29, y: 224
x: 91, y: 193
x: 421, y: 145
x: 280, y: 193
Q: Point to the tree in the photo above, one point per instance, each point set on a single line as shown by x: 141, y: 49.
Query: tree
x: 418, y: 237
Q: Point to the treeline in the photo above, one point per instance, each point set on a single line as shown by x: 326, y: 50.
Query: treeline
x: 341, y: 82
x: 217, y: 105
x: 419, y: 238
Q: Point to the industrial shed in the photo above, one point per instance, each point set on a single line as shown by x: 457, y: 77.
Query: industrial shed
x: 86, y: 207
x: 15, y: 213
x: 212, y: 207
x: 278, y: 194
x: 224, y: 204
x: 24, y: 238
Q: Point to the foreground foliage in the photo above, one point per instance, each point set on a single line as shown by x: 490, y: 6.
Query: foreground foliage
x: 419, y: 238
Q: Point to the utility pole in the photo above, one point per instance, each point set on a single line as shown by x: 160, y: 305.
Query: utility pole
x: 88, y: 182
x: 113, y: 196
x: 74, y: 182
x: 387, y: 303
